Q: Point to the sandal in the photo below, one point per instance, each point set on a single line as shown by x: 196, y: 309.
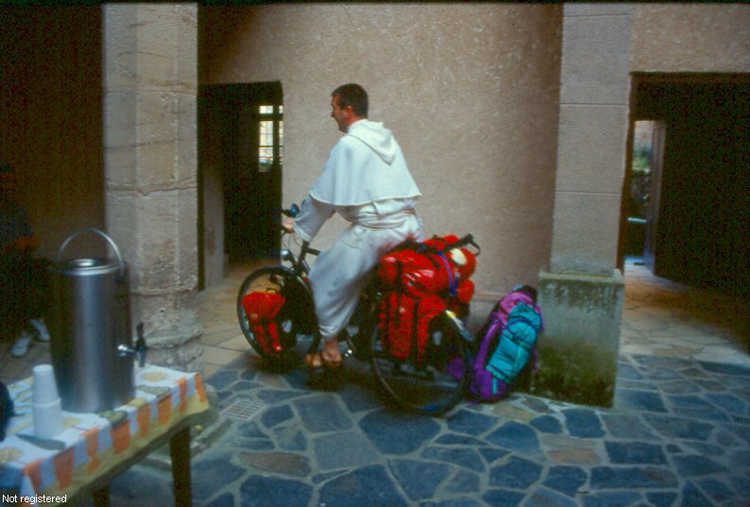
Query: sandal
x: 318, y: 361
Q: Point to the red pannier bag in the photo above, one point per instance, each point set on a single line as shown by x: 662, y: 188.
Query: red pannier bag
x: 404, y: 322
x: 261, y: 309
x: 427, y: 272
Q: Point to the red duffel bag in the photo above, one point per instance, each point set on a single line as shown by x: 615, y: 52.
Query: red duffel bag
x: 404, y: 322
x: 261, y: 309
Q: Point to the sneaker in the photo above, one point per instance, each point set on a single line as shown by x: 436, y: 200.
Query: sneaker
x: 21, y: 345
x: 41, y: 330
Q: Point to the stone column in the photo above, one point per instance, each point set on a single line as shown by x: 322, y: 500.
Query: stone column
x: 582, y: 293
x: 150, y: 164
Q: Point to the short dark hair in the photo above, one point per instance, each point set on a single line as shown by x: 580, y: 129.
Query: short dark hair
x: 352, y: 94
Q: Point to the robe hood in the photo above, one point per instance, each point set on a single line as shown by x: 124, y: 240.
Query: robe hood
x: 366, y: 165
x: 376, y: 136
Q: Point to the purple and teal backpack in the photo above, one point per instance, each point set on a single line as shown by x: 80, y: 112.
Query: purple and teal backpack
x: 508, y: 340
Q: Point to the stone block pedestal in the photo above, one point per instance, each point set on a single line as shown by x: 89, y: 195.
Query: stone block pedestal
x: 578, y: 349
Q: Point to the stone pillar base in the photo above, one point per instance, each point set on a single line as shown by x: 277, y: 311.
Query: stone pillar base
x: 578, y: 349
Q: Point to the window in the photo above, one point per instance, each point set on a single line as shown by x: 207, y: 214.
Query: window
x: 271, y: 128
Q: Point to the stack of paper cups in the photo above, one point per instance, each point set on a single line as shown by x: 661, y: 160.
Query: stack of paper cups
x: 45, y: 403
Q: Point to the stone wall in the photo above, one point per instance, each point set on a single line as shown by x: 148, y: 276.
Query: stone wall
x: 470, y: 92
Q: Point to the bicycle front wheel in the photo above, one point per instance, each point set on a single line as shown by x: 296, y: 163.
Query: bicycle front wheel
x: 433, y: 384
x: 293, y: 323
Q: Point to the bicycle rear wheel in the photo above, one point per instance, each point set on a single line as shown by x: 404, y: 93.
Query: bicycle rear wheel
x: 428, y: 386
x: 295, y: 320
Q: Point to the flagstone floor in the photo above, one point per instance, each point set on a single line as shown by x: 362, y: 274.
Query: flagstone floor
x: 678, y: 433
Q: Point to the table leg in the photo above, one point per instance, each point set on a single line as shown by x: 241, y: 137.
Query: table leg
x: 179, y: 450
x: 101, y: 497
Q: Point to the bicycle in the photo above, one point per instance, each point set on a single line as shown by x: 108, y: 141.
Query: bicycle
x: 422, y: 385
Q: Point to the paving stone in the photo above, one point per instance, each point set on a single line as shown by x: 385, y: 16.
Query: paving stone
x: 629, y: 399
x: 515, y: 437
x: 547, y: 424
x: 318, y: 478
x: 692, y: 496
x: 261, y: 491
x: 456, y: 439
x: 462, y: 481
x: 583, y: 423
x: 618, y: 498
x: 661, y: 499
x: 675, y: 427
x: 711, y: 385
x: 362, y: 487
x: 512, y: 412
x: 395, y: 433
x: 275, y: 462
x: 419, y: 479
x: 492, y: 454
x: 690, y: 401
x: 249, y: 429
x: 710, y: 414
x: 243, y: 386
x: 222, y: 379
x: 290, y: 437
x: 346, y: 449
x: 693, y: 372
x: 636, y: 385
x: 725, y: 369
x: 625, y: 453
x: 674, y: 449
x: 223, y: 500
x: 661, y: 374
x: 454, y: 502
x: 544, y: 496
x: 536, y: 404
x: 662, y: 362
x: 210, y: 474
x: 742, y: 485
x: 467, y: 458
x: 627, y: 372
x: 129, y: 486
x: 517, y: 473
x: 566, y: 479
x: 471, y: 422
x: 627, y: 426
x: 740, y: 430
x: 604, y: 477
x: 728, y: 402
x: 704, y: 448
x: 358, y: 399
x: 322, y: 413
x: 254, y: 444
x: 741, y: 459
x: 725, y: 438
x: 503, y: 497
x: 276, y: 415
x: 271, y: 396
x: 717, y: 490
x: 680, y: 387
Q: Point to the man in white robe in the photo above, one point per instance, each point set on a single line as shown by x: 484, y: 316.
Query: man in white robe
x: 366, y: 181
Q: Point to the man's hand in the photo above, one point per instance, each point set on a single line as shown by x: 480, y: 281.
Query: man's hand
x: 287, y: 223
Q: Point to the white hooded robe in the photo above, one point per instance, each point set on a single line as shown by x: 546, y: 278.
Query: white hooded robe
x: 367, y: 182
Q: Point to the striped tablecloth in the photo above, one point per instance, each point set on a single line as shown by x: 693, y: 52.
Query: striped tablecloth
x: 92, y: 443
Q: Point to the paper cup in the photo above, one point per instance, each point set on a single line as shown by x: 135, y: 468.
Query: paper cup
x: 45, y: 389
x: 47, y: 419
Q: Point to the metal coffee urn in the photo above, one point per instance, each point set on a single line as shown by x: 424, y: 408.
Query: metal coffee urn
x: 91, y: 346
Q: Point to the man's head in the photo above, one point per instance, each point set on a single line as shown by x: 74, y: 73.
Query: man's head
x: 348, y: 104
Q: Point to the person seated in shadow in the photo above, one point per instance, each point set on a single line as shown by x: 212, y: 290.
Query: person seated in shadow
x: 24, y: 278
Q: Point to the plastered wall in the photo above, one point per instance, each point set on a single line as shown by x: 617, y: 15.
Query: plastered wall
x: 691, y: 37
x: 470, y: 91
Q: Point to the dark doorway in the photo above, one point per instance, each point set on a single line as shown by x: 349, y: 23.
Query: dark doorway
x: 241, y: 137
x: 699, y: 204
